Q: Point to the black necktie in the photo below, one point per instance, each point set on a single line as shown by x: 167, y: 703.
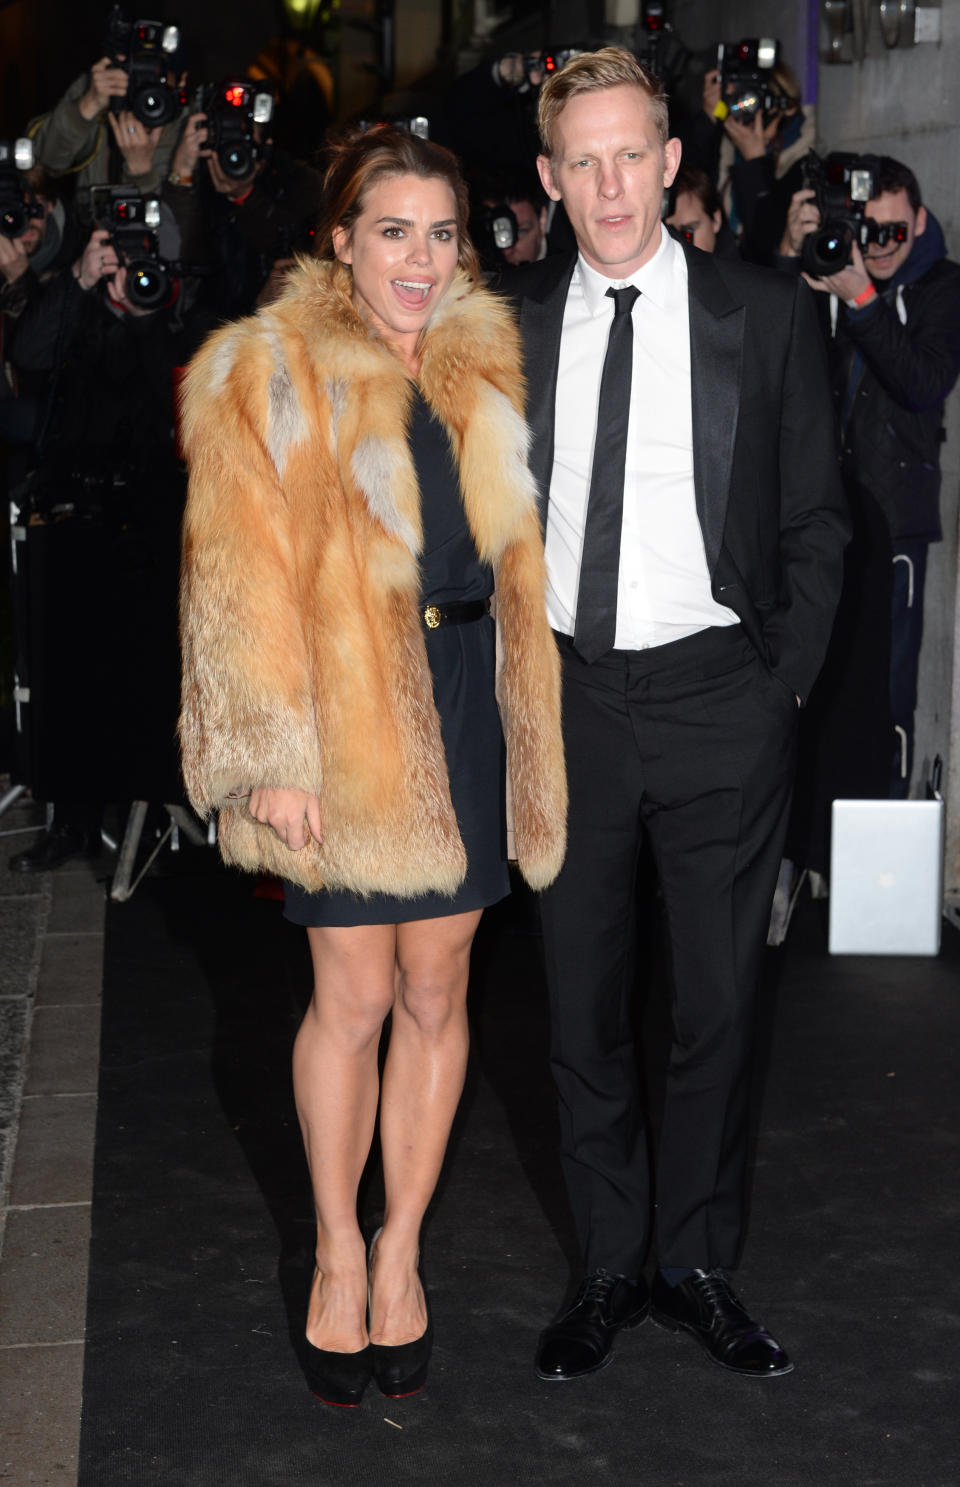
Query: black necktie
x: 596, y: 621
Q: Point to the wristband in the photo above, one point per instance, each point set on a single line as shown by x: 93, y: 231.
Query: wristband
x: 176, y: 179
x: 863, y: 298
x: 238, y: 201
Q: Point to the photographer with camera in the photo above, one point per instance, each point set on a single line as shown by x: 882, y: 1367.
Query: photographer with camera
x: 102, y: 505
x: 858, y: 232
x: 491, y: 112
x: 37, y: 238
x: 895, y: 350
x: 242, y: 207
x: 750, y: 131
x: 508, y: 218
x: 120, y: 121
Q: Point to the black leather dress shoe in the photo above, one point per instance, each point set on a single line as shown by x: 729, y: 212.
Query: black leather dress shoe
x: 57, y: 845
x: 705, y: 1305
x: 581, y: 1340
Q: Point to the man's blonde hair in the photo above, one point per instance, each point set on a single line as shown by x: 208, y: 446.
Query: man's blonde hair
x: 591, y: 72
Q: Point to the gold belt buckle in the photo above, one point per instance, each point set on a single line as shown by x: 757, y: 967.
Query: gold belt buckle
x: 431, y: 617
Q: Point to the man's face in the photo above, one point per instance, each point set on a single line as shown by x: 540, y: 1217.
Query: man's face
x: 610, y: 170
x: 531, y: 226
x: 690, y: 216
x: 892, y: 206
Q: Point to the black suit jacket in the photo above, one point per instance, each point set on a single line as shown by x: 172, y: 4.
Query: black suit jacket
x: 768, y: 490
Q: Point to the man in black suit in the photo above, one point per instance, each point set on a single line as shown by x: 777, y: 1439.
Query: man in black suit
x: 683, y: 447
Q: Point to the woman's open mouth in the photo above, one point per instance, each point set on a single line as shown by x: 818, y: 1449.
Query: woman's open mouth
x: 413, y: 293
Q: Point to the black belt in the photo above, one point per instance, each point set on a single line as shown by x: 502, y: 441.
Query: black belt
x: 435, y: 615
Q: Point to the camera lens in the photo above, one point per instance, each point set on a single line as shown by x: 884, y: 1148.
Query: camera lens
x: 13, y: 221
x: 154, y: 104
x: 236, y: 159
x: 148, y: 284
x: 827, y: 251
x: 832, y: 248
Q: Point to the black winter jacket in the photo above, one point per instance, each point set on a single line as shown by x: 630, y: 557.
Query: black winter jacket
x: 893, y: 365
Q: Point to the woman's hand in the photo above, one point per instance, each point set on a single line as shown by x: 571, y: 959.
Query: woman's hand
x: 293, y: 814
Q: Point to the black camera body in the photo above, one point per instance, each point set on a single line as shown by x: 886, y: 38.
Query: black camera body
x: 17, y: 202
x: 550, y: 60
x: 843, y: 183
x: 234, y: 108
x: 132, y: 221
x: 653, y: 31
x: 149, y: 49
x: 417, y: 124
x: 492, y: 229
x: 747, y: 84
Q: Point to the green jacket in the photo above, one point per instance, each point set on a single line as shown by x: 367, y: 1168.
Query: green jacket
x: 68, y: 144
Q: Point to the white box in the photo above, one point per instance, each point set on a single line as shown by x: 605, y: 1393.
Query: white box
x: 886, y: 877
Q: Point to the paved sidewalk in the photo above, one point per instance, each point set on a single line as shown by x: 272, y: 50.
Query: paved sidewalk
x: 51, y: 965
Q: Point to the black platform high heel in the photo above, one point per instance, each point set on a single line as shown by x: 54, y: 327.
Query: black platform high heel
x: 401, y: 1369
x: 338, y: 1378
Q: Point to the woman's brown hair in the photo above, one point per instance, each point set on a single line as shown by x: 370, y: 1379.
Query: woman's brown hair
x: 357, y: 160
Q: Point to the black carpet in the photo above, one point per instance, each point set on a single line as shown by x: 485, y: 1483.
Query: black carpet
x: 202, y: 1234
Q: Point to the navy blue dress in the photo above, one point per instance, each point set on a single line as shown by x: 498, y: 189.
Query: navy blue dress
x: 462, y: 663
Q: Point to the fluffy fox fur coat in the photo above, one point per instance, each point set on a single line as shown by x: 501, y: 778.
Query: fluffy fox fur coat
x: 304, y: 662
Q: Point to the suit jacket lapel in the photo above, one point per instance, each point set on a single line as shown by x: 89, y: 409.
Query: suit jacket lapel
x: 716, y: 370
x: 541, y: 323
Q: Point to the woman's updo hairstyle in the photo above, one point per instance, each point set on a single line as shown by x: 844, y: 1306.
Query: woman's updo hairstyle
x: 358, y: 159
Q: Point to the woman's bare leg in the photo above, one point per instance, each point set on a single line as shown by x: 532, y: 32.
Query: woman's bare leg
x: 336, y: 1087
x: 422, y: 1083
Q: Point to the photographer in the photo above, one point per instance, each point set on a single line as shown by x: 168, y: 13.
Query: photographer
x: 80, y: 134
x: 28, y: 261
x: 491, y: 113
x: 508, y: 218
x: 696, y: 212
x: 103, y: 506
x: 748, y: 158
x: 246, y: 228
x: 895, y: 352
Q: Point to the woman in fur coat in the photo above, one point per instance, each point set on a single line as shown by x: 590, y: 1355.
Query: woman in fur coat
x: 358, y: 490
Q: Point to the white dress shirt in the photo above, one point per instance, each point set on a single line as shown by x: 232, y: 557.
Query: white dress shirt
x: 664, y: 587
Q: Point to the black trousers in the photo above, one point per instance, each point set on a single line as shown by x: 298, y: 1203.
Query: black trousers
x: 693, y: 743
